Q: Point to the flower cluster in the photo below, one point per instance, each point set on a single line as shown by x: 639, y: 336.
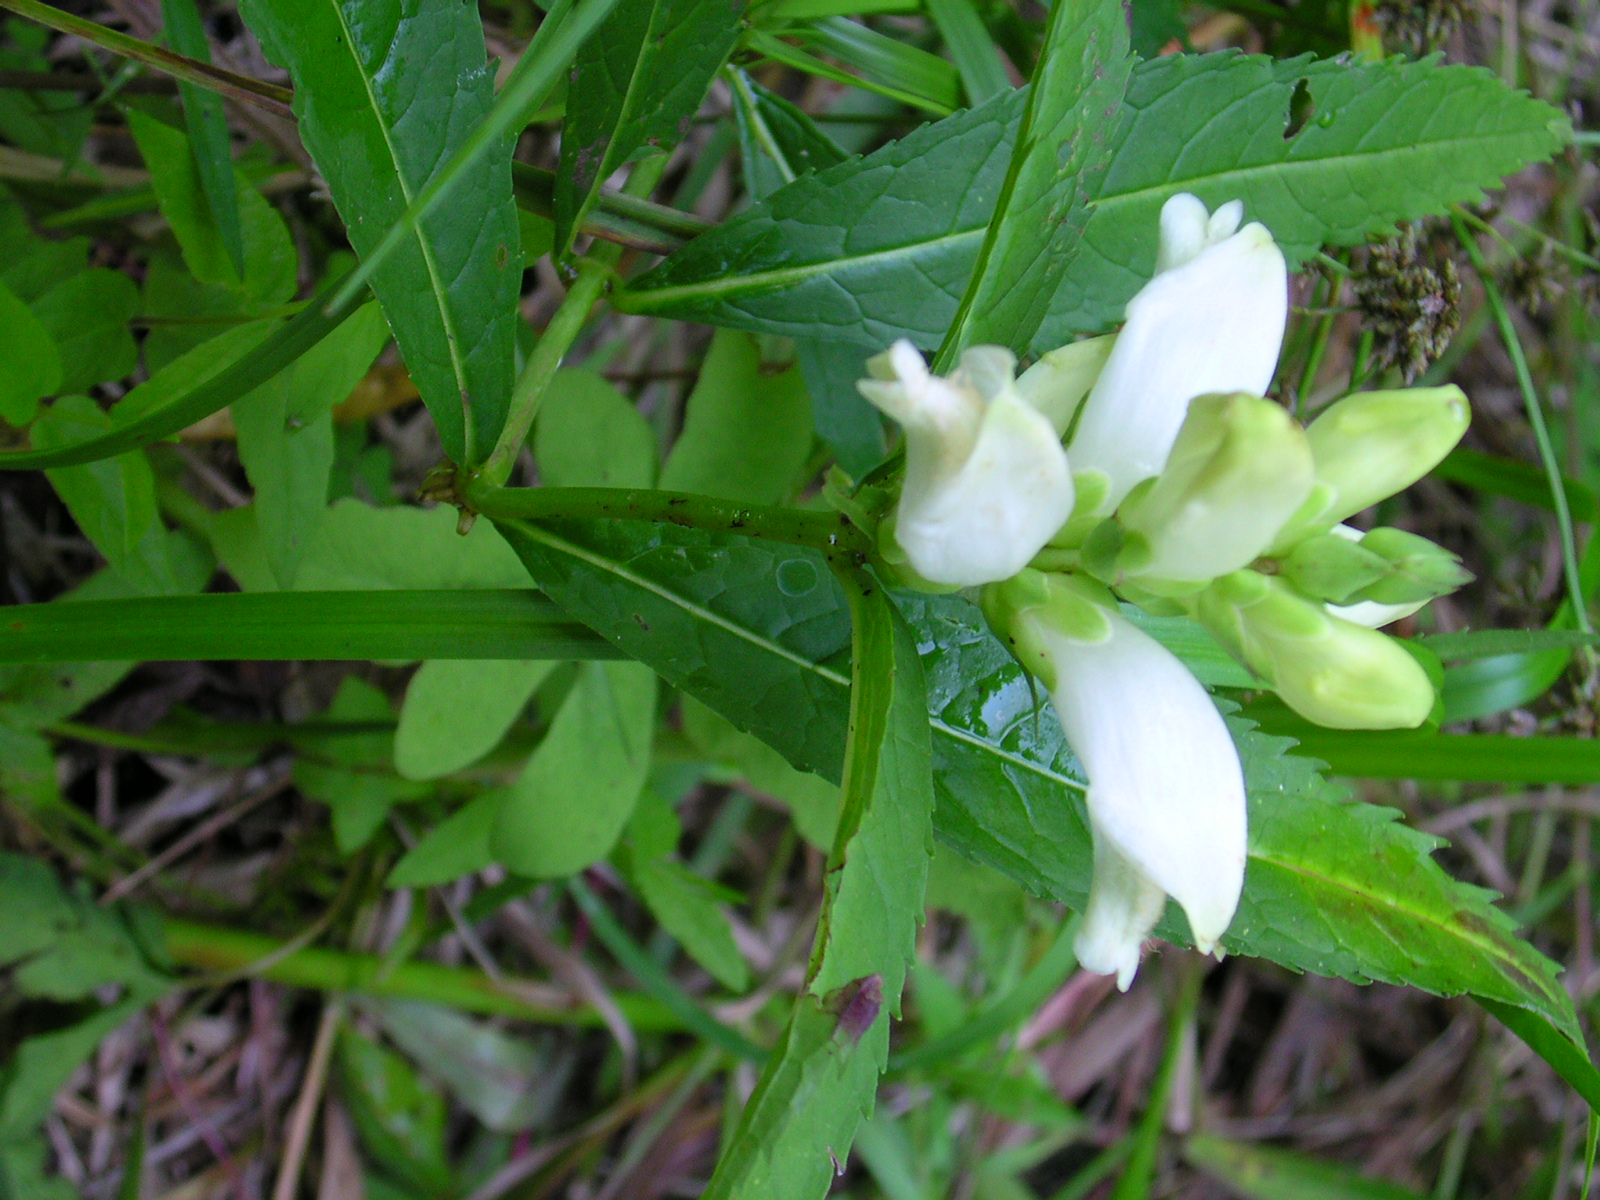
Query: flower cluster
x: 1147, y: 467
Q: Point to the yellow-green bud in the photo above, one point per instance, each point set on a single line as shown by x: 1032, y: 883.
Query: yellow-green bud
x: 1058, y: 382
x: 1333, y: 568
x: 1071, y: 605
x: 1371, y: 445
x: 1241, y: 466
x: 1330, y: 671
x: 1418, y: 569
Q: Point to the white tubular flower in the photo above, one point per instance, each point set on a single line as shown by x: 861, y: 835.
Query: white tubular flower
x: 987, y: 482
x: 1211, y: 320
x: 1166, y: 791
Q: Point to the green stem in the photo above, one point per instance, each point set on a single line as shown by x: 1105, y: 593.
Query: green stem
x: 237, y: 87
x: 214, y: 948
x: 830, y: 532
x: 1541, y: 434
x: 595, y: 271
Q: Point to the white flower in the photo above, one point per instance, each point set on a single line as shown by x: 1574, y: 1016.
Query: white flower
x: 1166, y: 791
x: 1211, y: 320
x: 987, y: 482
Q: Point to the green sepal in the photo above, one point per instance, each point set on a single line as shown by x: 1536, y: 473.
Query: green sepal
x: 1333, y: 568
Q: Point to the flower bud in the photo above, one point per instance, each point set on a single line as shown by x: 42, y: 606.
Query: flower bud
x: 1330, y: 671
x: 1418, y: 569
x: 1333, y: 568
x: 1239, y: 469
x: 1371, y: 445
x: 1166, y: 792
x: 1211, y: 320
x: 987, y: 482
x: 1059, y: 381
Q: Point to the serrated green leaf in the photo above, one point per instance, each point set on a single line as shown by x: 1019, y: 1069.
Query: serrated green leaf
x: 882, y: 247
x: 777, y: 141
x: 802, y: 1117
x: 1335, y: 888
x: 457, y: 710
x: 385, y: 94
x: 1073, y: 105
x: 634, y: 87
x: 746, y: 433
x: 597, y: 747
x: 53, y: 124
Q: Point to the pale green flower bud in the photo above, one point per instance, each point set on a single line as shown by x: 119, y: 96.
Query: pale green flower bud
x: 987, y: 482
x: 1058, y: 382
x: 1419, y: 570
x: 1240, y: 468
x: 1330, y: 671
x: 1211, y: 320
x: 1333, y: 568
x: 1371, y: 445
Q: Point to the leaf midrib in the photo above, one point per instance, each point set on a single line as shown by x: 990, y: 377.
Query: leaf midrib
x: 646, y: 298
x: 1490, y: 949
x: 457, y: 368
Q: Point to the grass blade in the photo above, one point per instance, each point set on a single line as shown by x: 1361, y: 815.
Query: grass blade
x: 280, y: 626
x: 267, y: 96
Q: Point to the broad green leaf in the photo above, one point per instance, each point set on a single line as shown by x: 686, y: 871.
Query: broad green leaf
x: 285, y: 430
x: 385, y: 93
x: 43, y: 1064
x: 27, y: 763
x: 509, y: 1083
x: 823, y: 1079
x: 1335, y: 888
x: 1153, y: 25
x: 456, y: 711
x: 982, y: 75
x: 1385, y: 143
x: 352, y: 775
x: 155, y: 410
x: 685, y: 904
x: 399, y: 1116
x: 270, y: 262
x: 87, y: 316
x: 30, y: 364
x: 208, y: 128
x: 590, y: 435
x: 23, y: 1160
x: 747, y: 432
x: 113, y: 500
x: 1269, y: 1173
x: 342, y: 625
x: 1074, y: 102
x: 457, y: 846
x: 567, y: 808
x: 66, y: 945
x: 882, y: 247
x: 633, y: 89
x: 852, y: 428
x: 175, y: 301
x: 812, y: 800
